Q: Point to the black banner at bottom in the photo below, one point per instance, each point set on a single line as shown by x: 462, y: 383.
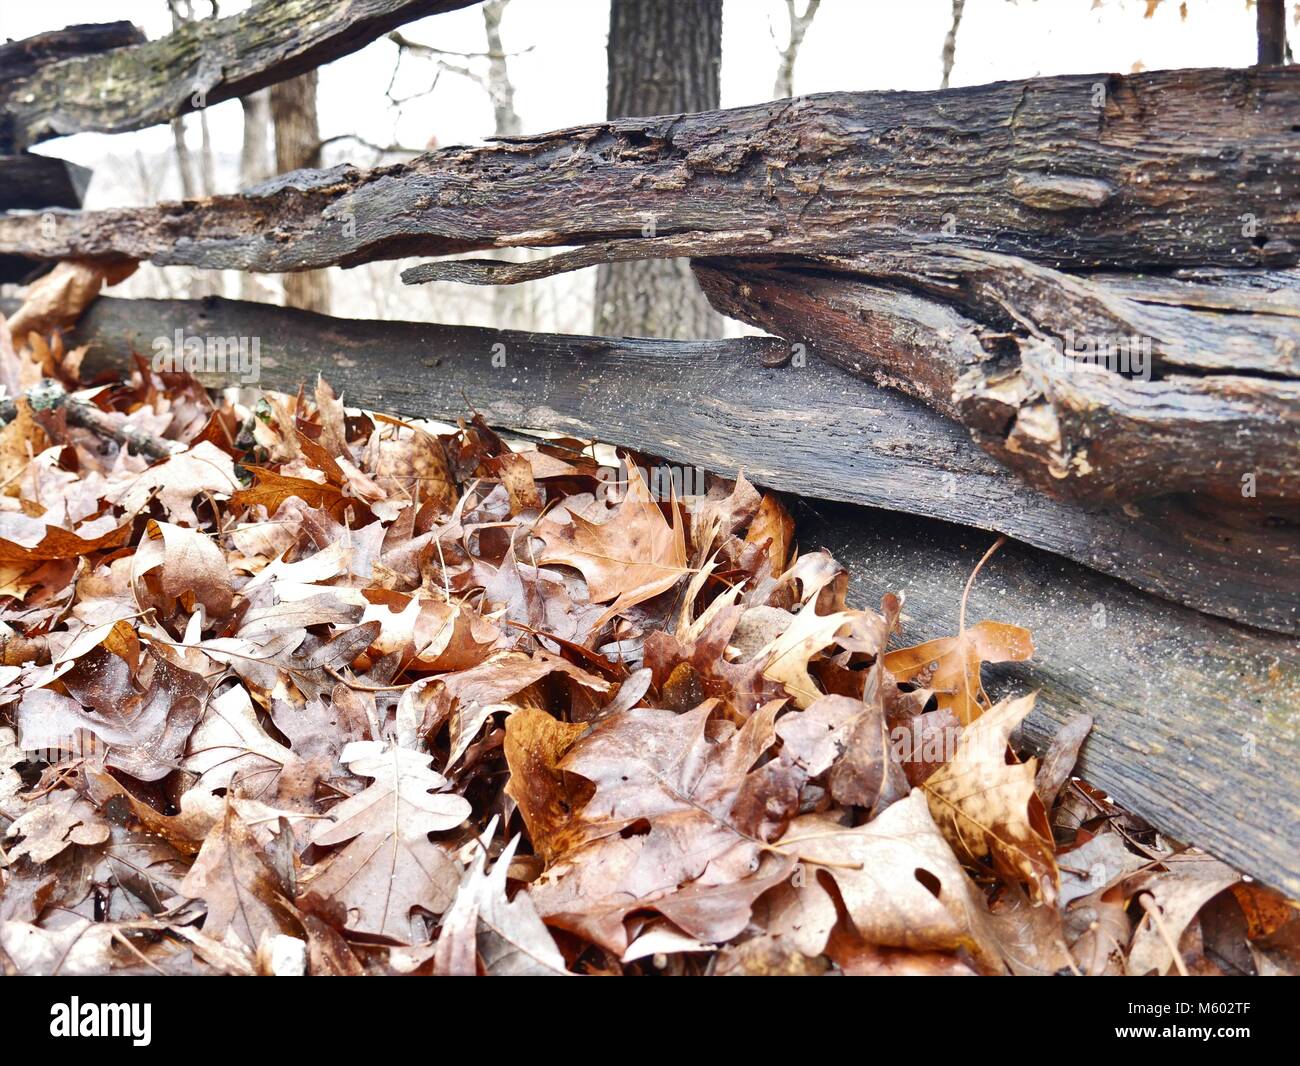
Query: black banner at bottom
x: 141, y: 1016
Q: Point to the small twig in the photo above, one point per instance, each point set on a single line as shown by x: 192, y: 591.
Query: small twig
x: 391, y: 149
x: 49, y: 395
x: 358, y: 686
x: 418, y: 48
x: 1153, y: 912
x: 970, y: 581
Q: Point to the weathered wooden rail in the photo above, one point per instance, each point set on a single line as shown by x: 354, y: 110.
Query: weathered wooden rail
x: 811, y: 429
x: 1127, y: 172
x: 108, y: 79
x: 1089, y: 388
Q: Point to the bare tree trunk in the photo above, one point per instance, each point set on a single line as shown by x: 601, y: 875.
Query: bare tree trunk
x: 799, y: 24
x: 196, y: 178
x: 254, y: 168
x: 184, y: 164
x: 207, y: 165
x: 499, y: 86
x: 297, y: 145
x: 1270, y: 28
x: 254, y: 152
x: 663, y: 59
x: 950, y: 42
x: 508, y: 303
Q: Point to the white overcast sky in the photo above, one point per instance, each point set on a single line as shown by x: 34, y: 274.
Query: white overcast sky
x: 560, y: 73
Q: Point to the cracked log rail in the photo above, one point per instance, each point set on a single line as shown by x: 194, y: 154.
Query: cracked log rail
x: 1175, y: 693
x: 1148, y: 170
x: 51, y: 93
x: 1201, y: 394
x: 811, y: 429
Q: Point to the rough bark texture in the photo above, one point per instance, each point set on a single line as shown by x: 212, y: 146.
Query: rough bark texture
x: 19, y: 59
x: 1158, y: 175
x: 1083, y: 389
x: 1177, y: 696
x: 807, y: 427
x: 297, y: 145
x: 663, y: 59
x: 201, y: 64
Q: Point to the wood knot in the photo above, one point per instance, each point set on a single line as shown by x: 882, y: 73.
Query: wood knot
x: 1059, y: 192
x: 775, y: 355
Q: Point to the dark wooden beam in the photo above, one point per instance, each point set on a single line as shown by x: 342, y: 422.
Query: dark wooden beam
x: 808, y: 427
x: 199, y: 64
x: 34, y: 182
x: 20, y: 59
x: 1146, y: 170
x: 37, y: 182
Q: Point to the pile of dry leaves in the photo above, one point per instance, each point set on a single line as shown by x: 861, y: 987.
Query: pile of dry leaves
x: 323, y: 690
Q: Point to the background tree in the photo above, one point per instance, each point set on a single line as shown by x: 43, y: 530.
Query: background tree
x: 950, y: 42
x: 197, y: 174
x: 1270, y: 28
x: 510, y: 304
x: 297, y: 145
x: 254, y: 168
x: 799, y: 24
x: 664, y: 58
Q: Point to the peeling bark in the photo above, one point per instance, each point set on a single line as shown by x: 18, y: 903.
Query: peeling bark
x: 1188, y: 397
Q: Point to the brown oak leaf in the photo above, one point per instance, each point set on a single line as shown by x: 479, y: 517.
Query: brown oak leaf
x: 389, y: 866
